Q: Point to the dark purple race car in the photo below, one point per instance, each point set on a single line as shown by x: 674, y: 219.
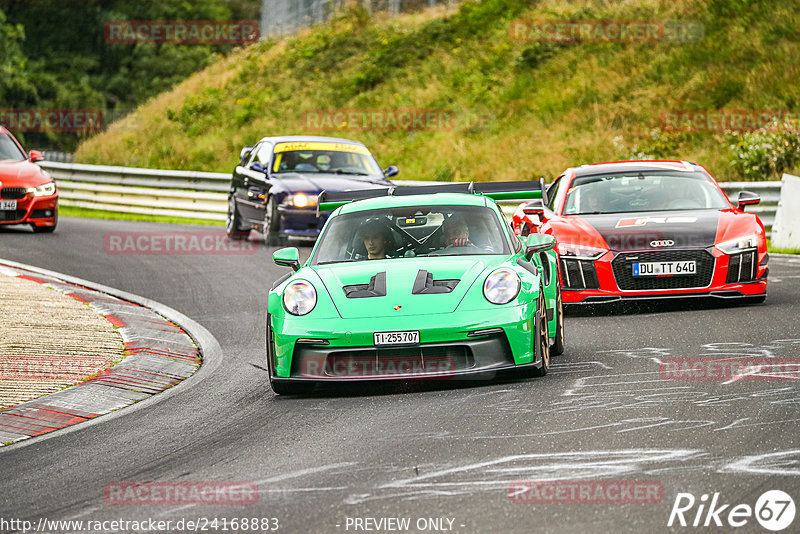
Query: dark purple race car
x: 275, y: 187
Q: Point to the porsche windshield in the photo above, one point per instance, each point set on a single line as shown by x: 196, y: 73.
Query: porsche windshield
x: 411, y: 232
x: 333, y: 158
x: 642, y: 191
x: 9, y: 149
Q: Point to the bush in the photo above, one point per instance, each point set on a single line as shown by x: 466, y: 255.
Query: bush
x: 765, y: 154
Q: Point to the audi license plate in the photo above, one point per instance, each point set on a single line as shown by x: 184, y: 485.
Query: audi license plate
x: 8, y: 204
x: 664, y: 268
x: 397, y: 338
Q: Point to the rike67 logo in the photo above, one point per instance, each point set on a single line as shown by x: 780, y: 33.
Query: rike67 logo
x: 774, y: 510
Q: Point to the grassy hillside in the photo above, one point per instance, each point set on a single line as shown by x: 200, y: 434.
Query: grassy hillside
x: 523, y: 109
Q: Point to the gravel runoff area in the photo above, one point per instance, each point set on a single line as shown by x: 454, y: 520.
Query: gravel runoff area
x: 79, y: 352
x: 49, y: 340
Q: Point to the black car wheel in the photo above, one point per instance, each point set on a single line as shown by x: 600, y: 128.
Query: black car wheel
x: 272, y: 224
x: 281, y: 388
x: 541, y: 340
x: 558, y: 345
x: 233, y: 223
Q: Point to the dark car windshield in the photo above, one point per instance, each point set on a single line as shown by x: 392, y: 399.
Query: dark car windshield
x: 411, y: 232
x: 642, y: 191
x: 9, y: 149
x: 331, y: 158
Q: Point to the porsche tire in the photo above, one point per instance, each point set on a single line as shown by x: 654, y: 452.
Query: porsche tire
x: 541, y: 340
x: 558, y: 345
x: 281, y: 388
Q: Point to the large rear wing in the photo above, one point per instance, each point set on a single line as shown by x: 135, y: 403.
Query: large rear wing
x: 330, y: 200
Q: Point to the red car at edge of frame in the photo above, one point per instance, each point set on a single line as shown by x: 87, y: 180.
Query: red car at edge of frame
x: 28, y: 194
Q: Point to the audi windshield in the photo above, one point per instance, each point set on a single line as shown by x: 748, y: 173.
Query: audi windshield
x: 642, y: 191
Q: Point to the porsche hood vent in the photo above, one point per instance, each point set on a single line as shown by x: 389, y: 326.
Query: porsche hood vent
x: 375, y: 288
x: 426, y: 285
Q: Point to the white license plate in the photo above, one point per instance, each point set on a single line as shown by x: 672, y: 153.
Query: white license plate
x: 396, y: 338
x: 664, y: 268
x: 8, y: 204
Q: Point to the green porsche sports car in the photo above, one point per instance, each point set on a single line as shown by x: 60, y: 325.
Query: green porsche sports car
x: 416, y: 282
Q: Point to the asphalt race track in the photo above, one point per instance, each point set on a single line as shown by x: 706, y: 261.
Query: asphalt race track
x: 422, y: 450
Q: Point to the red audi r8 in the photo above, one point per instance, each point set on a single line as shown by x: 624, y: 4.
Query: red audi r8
x: 649, y: 229
x: 28, y: 194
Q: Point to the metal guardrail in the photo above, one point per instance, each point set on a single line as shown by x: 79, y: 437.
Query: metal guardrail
x: 204, y: 195
x: 188, y: 194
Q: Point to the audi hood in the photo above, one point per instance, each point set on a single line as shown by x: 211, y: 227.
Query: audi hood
x: 621, y: 232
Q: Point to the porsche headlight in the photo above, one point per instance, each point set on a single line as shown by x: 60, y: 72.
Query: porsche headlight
x: 740, y: 244
x: 502, y: 286
x: 44, y: 190
x: 299, y: 297
x: 580, y: 251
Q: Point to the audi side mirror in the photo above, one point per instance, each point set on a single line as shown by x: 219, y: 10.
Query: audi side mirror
x: 747, y: 198
x: 287, y: 257
x: 388, y: 172
x: 35, y: 156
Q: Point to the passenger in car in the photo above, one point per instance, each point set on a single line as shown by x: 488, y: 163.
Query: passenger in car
x: 456, y: 232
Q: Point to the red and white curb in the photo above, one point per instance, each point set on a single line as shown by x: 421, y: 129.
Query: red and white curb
x: 159, y: 355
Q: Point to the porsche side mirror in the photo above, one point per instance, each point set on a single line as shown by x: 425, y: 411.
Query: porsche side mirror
x: 35, y: 156
x: 245, y: 154
x: 747, y: 198
x: 538, y: 243
x: 388, y: 172
x: 287, y: 257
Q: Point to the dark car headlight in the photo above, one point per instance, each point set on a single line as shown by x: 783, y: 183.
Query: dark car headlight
x: 502, y: 286
x: 300, y: 200
x: 299, y: 297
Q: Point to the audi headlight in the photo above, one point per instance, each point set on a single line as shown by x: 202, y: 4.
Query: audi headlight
x: 44, y: 190
x: 299, y: 297
x: 739, y: 244
x: 580, y: 251
x: 502, y: 286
